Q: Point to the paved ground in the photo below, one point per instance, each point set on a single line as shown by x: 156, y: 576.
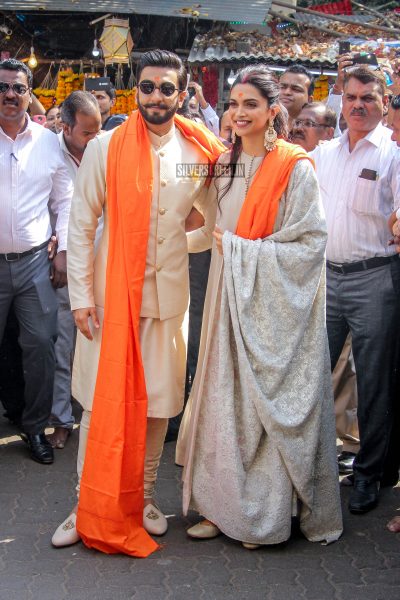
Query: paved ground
x: 34, y: 499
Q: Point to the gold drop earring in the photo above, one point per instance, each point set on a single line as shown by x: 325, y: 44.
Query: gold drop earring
x: 270, y: 137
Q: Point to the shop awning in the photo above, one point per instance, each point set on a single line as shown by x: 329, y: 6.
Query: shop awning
x: 253, y: 11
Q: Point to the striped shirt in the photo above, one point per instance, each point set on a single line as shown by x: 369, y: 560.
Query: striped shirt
x: 357, y: 208
x: 32, y: 176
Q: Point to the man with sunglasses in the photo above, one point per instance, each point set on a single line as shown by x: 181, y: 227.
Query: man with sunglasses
x: 359, y: 177
x: 33, y: 179
x: 141, y: 162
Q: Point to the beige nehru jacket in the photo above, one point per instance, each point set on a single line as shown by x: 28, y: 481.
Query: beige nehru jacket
x: 166, y: 285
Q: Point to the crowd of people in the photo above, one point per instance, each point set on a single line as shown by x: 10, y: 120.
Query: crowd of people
x: 111, y: 224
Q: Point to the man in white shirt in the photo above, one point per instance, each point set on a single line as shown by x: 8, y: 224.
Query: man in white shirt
x: 81, y: 122
x: 359, y: 177
x: 296, y: 90
x: 33, y: 178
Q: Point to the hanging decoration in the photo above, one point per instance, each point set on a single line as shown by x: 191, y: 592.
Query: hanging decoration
x: 116, y: 41
x: 126, y: 97
x: 46, y: 93
x: 321, y: 90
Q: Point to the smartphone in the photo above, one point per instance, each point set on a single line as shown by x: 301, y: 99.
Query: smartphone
x: 344, y: 48
x: 365, y: 58
x: 97, y: 84
x: 191, y: 91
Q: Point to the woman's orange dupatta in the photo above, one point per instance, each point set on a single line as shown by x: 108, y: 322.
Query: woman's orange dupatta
x: 260, y: 207
x: 110, y: 510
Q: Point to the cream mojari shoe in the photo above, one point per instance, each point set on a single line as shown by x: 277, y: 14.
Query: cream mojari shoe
x: 154, y: 521
x: 66, y: 533
x: 249, y: 546
x: 205, y: 530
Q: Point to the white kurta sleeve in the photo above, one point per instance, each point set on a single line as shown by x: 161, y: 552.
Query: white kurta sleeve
x: 86, y: 209
x: 206, y: 203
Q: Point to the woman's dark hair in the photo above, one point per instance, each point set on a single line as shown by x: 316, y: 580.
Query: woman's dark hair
x: 264, y: 80
x: 51, y: 108
x: 166, y: 59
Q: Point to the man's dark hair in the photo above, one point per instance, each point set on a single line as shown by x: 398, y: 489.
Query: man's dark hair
x: 11, y: 64
x: 330, y: 118
x: 110, y: 91
x: 301, y: 70
x: 164, y: 59
x: 78, y: 101
x: 365, y: 75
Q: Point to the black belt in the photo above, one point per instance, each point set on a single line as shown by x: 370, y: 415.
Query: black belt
x: 13, y: 256
x: 361, y: 265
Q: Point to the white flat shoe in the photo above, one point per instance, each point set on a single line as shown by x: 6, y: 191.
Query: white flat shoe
x: 154, y: 521
x: 249, y: 546
x: 203, y: 531
x: 66, y: 533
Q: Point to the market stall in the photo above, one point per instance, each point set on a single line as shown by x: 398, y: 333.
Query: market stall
x: 218, y: 54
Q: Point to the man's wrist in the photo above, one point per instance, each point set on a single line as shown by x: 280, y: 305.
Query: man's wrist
x: 337, y: 90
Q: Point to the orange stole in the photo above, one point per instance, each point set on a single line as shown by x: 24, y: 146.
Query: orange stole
x: 110, y: 510
x: 260, y: 207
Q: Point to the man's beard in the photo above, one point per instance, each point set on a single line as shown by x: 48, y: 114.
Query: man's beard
x: 159, y: 119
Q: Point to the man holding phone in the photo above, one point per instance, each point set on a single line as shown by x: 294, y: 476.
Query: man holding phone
x: 359, y: 176
x: 198, y: 102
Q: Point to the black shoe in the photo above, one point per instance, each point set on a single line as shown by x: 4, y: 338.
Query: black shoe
x: 345, y: 462
x: 40, y: 448
x: 364, y: 496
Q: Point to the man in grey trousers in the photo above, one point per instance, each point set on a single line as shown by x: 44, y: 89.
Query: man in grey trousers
x: 33, y: 180
x: 81, y: 122
x: 359, y: 176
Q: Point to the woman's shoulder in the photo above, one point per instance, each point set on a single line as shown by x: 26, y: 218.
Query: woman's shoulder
x: 224, y: 158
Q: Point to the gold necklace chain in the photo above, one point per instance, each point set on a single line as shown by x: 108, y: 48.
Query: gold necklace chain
x: 247, y: 179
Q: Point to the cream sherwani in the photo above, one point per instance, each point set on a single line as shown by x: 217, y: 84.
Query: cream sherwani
x: 166, y: 284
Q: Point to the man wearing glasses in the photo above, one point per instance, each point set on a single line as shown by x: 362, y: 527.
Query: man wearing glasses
x: 33, y: 178
x: 316, y: 123
x: 359, y: 177
x: 129, y: 303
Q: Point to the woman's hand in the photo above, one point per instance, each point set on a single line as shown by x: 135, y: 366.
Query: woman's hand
x: 217, y: 234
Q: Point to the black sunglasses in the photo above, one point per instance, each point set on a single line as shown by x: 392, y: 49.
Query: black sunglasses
x: 148, y: 87
x: 18, y: 88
